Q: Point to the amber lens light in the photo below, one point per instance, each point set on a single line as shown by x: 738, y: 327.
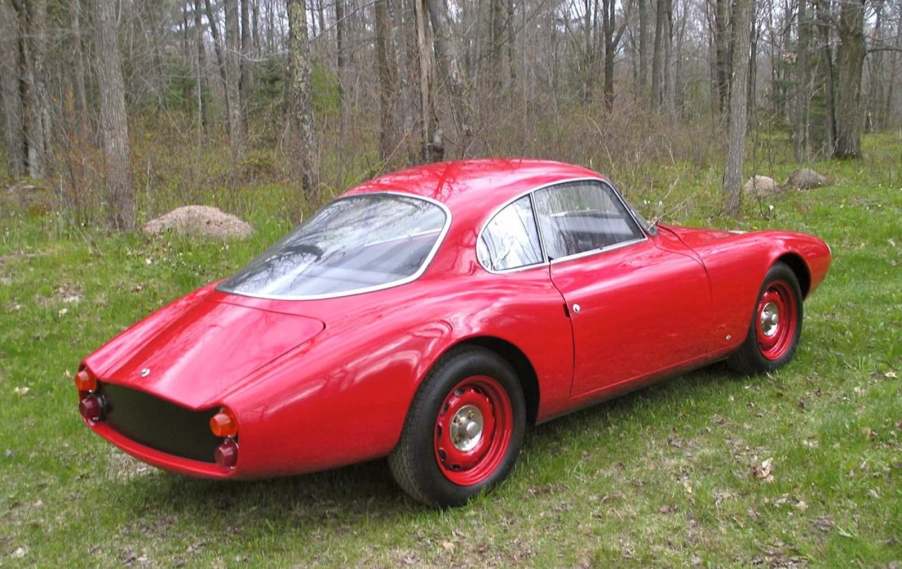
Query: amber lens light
x: 223, y: 424
x: 84, y: 381
x: 226, y: 454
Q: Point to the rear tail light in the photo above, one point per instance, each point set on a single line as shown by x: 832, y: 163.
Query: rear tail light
x: 226, y: 454
x: 84, y: 381
x: 91, y: 407
x: 223, y: 424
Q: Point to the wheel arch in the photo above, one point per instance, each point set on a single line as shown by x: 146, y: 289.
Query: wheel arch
x: 798, y: 265
x: 526, y: 373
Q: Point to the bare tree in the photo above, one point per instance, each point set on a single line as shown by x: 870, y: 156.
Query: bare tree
x: 644, y: 45
x: 510, y: 37
x: 433, y: 148
x: 409, y: 79
x: 804, y: 75
x: 341, y: 60
x: 497, y: 17
x: 890, y: 91
x: 662, y: 53
x: 300, y: 100
x: 32, y: 19
x: 387, y: 83
x: 722, y: 44
x: 13, y: 110
x: 217, y: 46
x: 447, y: 62
x: 732, y: 180
x: 612, y: 37
x: 233, y: 78
x: 78, y: 60
x: 850, y: 61
x: 200, y: 69
x: 113, y: 118
x: 753, y: 62
x: 246, y: 82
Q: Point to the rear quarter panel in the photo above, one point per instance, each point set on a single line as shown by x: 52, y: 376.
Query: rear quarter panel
x: 344, y: 396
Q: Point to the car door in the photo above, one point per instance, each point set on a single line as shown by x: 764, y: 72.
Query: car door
x: 636, y: 308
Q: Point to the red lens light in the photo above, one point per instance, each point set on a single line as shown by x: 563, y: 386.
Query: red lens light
x: 91, y: 408
x: 226, y: 454
x: 84, y: 381
x: 223, y: 424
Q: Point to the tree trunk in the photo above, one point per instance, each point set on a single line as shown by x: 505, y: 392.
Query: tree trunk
x: 497, y: 43
x: 387, y: 84
x: 803, y: 87
x: 32, y: 18
x: 410, y: 79
x: 610, y: 48
x: 433, y: 148
x: 668, y: 95
x: 321, y: 15
x: 246, y: 84
x: 300, y: 102
x: 113, y: 118
x: 875, y: 71
x: 663, y: 29
x: 217, y: 46
x: 890, y: 91
x: 820, y: 106
x: 201, y: 55
x: 732, y: 180
x: 233, y: 78
x: 78, y: 58
x: 255, y: 25
x: 713, y: 61
x: 41, y: 136
x: 722, y: 46
x: 753, y: 66
x: 850, y: 60
x: 340, y: 41
x: 13, y: 109
x: 447, y: 62
x: 644, y: 38
x: 509, y: 37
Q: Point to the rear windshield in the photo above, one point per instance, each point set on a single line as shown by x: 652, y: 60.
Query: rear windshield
x: 351, y: 245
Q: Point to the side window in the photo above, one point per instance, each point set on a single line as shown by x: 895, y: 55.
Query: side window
x: 510, y: 239
x: 582, y: 216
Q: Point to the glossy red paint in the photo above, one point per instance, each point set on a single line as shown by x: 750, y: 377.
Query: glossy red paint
x: 316, y: 384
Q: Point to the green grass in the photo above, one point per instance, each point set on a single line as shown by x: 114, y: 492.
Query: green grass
x: 662, y: 477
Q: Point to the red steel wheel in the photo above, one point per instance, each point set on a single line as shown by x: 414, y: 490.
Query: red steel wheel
x: 464, y: 428
x: 473, y: 430
x: 776, y: 320
x: 776, y: 326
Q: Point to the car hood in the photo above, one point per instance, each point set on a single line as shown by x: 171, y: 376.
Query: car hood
x: 697, y: 237
x: 197, y: 349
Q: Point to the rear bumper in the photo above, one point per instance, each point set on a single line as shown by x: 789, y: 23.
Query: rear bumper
x: 172, y: 463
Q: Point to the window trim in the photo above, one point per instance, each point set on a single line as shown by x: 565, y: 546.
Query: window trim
x: 352, y: 292
x: 545, y: 262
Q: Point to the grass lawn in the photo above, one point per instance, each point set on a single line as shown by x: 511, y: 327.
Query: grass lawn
x: 669, y: 476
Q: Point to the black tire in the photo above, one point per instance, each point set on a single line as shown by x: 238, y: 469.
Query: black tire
x: 751, y: 357
x: 414, y: 462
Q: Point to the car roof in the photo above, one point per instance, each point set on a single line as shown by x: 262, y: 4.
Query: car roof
x: 481, y: 184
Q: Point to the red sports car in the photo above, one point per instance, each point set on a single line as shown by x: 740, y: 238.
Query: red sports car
x: 429, y: 316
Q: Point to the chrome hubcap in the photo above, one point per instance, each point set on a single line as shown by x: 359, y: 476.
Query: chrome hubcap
x: 466, y: 428
x: 770, y: 319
